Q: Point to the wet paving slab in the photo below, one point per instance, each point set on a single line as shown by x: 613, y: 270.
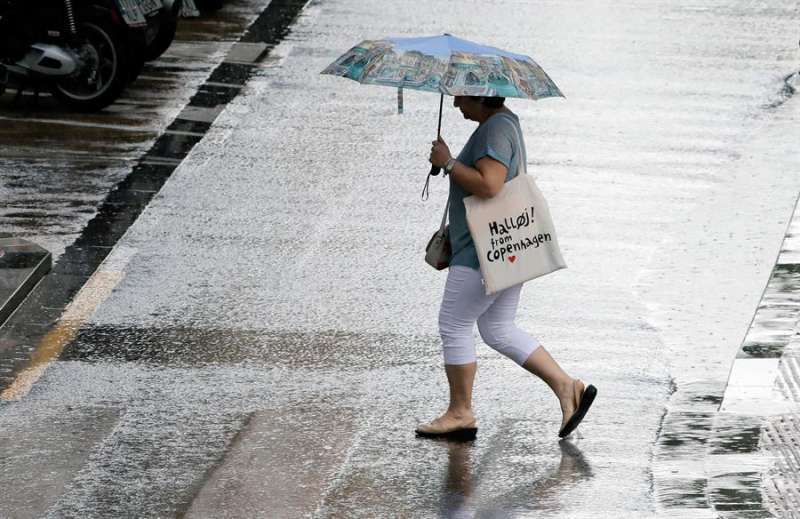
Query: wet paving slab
x: 51, y: 443
x: 707, y: 462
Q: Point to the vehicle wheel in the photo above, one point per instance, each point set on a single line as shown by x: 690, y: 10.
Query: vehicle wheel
x: 167, y: 28
x: 135, y: 64
x: 103, y: 77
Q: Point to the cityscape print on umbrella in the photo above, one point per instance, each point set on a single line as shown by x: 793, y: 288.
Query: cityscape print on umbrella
x: 483, y: 71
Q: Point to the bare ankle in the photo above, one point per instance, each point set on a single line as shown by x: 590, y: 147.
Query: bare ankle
x: 564, y: 389
x: 460, y: 413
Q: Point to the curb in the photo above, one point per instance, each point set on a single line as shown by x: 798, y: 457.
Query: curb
x: 732, y: 450
x: 765, y: 378
x: 22, y: 265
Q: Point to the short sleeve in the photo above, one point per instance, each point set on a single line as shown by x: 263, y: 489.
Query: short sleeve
x: 495, y: 142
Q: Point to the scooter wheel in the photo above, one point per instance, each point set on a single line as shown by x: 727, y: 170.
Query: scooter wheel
x: 167, y: 28
x: 104, y: 74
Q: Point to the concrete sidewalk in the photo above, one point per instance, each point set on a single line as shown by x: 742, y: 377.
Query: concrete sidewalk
x: 765, y: 379
x: 270, y: 307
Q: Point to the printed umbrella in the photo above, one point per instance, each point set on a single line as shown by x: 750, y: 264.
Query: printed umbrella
x: 444, y: 64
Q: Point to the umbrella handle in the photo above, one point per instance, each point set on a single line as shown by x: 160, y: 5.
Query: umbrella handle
x: 435, y: 170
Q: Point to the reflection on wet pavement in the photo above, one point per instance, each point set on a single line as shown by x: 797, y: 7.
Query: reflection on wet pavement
x: 206, y: 346
x: 774, y: 321
x: 460, y: 496
x: 706, y: 461
x: 734, y: 434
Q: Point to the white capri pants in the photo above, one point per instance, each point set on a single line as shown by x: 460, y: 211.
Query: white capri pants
x: 465, y: 302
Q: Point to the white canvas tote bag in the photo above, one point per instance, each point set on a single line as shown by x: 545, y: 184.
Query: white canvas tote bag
x: 513, y: 232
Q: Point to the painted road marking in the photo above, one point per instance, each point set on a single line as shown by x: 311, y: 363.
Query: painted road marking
x: 182, y: 132
x: 245, y: 52
x: 64, y: 122
x: 160, y: 161
x: 221, y: 85
x: 200, y: 114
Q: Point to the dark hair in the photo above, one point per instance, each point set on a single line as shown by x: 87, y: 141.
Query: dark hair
x: 493, y: 102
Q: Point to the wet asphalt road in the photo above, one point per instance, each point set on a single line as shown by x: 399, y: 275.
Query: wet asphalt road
x: 50, y: 197
x: 262, y: 341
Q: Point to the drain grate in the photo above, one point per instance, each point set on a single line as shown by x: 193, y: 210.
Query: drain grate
x: 789, y: 378
x: 781, y: 439
x: 783, y: 497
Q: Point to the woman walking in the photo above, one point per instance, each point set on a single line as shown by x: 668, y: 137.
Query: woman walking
x: 489, y: 159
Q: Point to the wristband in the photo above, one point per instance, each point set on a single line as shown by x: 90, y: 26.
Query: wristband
x: 449, y: 166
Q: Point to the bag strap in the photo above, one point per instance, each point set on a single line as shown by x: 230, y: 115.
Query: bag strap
x: 522, y: 167
x: 444, y: 216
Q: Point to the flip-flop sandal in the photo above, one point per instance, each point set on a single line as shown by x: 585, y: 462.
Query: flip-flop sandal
x: 461, y: 435
x: 583, y: 407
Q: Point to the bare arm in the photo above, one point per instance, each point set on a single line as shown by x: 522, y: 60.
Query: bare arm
x: 484, y: 181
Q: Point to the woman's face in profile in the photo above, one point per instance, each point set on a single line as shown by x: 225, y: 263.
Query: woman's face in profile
x: 470, y: 106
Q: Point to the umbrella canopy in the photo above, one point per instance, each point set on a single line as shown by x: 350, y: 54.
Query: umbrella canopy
x: 444, y: 64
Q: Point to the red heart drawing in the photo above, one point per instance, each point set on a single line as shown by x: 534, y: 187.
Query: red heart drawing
x: 512, y: 258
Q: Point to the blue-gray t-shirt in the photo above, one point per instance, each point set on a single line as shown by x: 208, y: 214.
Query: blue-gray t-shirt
x: 494, y: 138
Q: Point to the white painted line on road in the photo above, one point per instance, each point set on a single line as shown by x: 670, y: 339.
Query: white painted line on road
x: 221, y: 85
x: 161, y: 161
x: 274, y: 59
x: 96, y: 290
x: 243, y: 52
x: 78, y: 123
x: 181, y: 132
x: 156, y: 78
x: 28, y: 93
x: 201, y: 114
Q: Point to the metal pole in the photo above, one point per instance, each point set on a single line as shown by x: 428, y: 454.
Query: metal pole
x: 435, y: 169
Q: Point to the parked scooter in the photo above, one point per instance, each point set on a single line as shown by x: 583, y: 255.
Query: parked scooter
x: 80, y: 50
x: 162, y: 23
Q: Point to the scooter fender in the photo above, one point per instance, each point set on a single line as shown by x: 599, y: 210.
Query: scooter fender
x: 133, y: 33
x: 109, y: 10
x: 49, y: 61
x: 94, y: 11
